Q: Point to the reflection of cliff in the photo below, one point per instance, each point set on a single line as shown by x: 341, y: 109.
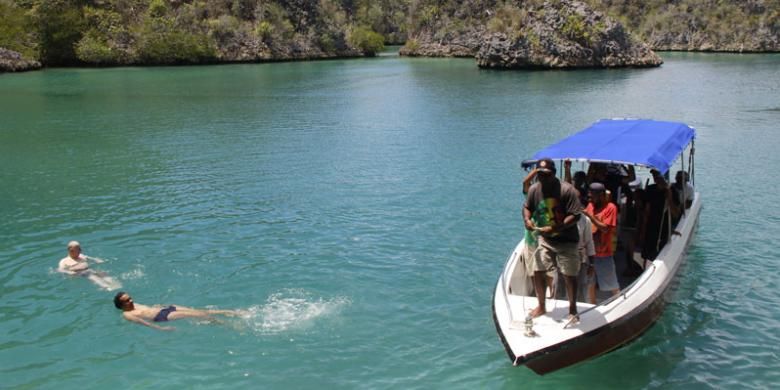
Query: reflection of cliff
x: 549, y: 34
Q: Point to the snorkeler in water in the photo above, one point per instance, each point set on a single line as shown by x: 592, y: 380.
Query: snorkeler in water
x: 77, y: 263
x: 149, y: 315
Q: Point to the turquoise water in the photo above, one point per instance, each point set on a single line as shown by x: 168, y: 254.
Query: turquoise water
x: 361, y: 211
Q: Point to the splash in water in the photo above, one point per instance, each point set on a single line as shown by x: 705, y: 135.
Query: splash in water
x: 137, y: 273
x: 291, y: 309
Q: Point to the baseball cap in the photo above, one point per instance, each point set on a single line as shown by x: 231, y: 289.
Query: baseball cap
x: 546, y: 165
x: 597, y: 187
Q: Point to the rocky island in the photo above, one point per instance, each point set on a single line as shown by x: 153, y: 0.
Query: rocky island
x: 11, y: 61
x: 547, y: 34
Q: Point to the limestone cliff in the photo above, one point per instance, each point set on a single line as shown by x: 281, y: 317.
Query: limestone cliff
x: 11, y: 61
x: 700, y: 25
x: 550, y: 34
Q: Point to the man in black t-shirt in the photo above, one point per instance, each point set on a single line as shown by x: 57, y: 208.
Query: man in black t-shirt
x: 555, y: 207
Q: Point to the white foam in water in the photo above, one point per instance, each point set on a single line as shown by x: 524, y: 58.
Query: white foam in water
x: 291, y: 309
x: 137, y: 273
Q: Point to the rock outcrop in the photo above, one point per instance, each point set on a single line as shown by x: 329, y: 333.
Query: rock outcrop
x: 701, y: 25
x: 11, y: 61
x: 551, y: 35
x: 248, y: 48
x: 759, y: 41
x: 463, y: 44
x: 577, y: 37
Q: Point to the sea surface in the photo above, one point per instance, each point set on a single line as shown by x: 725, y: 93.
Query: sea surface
x: 359, y: 212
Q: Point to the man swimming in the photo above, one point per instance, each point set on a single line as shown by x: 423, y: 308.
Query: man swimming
x: 77, y: 263
x: 148, y: 315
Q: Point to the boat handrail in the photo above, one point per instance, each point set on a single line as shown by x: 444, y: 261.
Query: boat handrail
x: 643, y: 278
x: 504, y: 290
x: 639, y: 281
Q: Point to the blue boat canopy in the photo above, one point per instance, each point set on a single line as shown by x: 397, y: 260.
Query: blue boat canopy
x: 642, y: 142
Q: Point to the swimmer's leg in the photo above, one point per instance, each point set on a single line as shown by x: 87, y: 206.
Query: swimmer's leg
x: 201, y: 315
x: 229, y: 313
x: 105, y: 282
x: 186, y: 312
x: 114, y: 284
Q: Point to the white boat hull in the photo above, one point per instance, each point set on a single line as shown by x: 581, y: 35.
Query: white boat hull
x: 602, y: 327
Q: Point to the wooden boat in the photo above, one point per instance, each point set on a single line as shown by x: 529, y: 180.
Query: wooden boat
x: 548, y: 343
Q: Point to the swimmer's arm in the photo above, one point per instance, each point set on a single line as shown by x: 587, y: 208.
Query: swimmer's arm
x: 142, y: 321
x: 72, y: 269
x: 95, y: 259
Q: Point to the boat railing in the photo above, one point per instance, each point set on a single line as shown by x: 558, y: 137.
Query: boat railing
x: 624, y: 294
x: 635, y: 286
x: 642, y: 279
x: 504, y: 290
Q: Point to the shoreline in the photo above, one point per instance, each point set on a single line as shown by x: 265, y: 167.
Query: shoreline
x: 393, y: 49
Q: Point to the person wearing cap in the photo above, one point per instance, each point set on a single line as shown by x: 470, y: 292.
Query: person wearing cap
x: 552, y: 209
x: 603, y: 215
x: 77, y: 263
x: 527, y: 252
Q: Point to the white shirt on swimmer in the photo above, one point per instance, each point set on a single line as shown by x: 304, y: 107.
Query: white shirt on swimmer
x: 72, y: 266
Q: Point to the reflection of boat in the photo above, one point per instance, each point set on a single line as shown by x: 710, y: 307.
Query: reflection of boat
x: 548, y: 343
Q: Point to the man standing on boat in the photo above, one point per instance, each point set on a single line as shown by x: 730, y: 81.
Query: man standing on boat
x: 553, y: 208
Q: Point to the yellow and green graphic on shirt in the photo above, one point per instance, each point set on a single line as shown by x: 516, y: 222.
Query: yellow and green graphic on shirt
x: 548, y: 213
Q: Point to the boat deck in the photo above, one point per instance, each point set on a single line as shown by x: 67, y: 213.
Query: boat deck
x: 552, y: 327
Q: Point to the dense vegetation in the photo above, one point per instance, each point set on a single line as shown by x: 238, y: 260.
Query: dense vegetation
x: 719, y: 25
x: 109, y: 32
x: 716, y: 25
x: 526, y: 34
x: 63, y: 32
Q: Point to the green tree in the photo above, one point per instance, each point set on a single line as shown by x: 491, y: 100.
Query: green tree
x: 368, y: 41
x: 15, y: 28
x: 162, y: 42
x: 107, y: 38
x: 60, y: 25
